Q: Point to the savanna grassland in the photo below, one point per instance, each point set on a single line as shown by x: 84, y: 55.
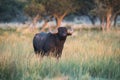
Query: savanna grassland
x: 89, y: 55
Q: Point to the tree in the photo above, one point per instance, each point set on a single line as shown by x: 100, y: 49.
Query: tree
x: 100, y: 12
x: 35, y: 10
x: 52, y: 8
x: 107, y: 10
x: 115, y: 19
x: 86, y: 7
x: 60, y: 8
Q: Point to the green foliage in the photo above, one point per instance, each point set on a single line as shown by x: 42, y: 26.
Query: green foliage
x: 34, y: 8
x: 13, y: 8
x: 59, y: 7
x: 51, y: 7
x: 86, y: 6
x: 103, y: 6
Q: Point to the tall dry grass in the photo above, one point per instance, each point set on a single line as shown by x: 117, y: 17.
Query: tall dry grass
x: 91, y: 55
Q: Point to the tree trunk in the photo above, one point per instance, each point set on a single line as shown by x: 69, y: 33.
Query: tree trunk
x: 114, y: 18
x: 35, y: 20
x: 91, y: 18
x: 108, y: 24
x: 108, y: 21
x: 103, y: 24
x: 59, y: 19
x: 45, y: 25
x: 115, y: 21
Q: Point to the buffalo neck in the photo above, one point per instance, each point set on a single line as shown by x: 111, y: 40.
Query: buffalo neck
x: 61, y: 38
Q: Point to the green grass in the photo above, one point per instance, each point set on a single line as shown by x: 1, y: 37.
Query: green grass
x: 91, y: 55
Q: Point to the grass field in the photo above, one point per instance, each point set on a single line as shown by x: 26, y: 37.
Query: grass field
x: 90, y: 55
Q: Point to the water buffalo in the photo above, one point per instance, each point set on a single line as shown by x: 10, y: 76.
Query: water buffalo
x: 46, y: 44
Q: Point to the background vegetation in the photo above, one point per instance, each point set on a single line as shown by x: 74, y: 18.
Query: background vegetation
x: 106, y: 11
